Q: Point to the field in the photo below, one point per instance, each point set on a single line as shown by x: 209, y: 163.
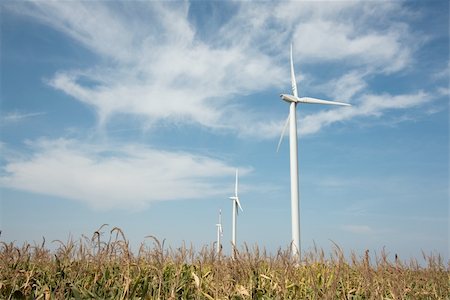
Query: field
x: 95, y: 267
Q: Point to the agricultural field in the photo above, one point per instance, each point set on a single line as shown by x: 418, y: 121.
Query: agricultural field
x: 95, y: 267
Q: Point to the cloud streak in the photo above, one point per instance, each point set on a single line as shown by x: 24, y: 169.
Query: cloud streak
x: 370, y: 106
x: 157, y: 67
x: 14, y: 117
x: 102, y: 176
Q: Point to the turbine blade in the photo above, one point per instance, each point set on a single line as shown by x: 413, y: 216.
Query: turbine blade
x: 319, y: 101
x: 239, y: 204
x: 236, y: 184
x: 283, y: 131
x: 293, y: 81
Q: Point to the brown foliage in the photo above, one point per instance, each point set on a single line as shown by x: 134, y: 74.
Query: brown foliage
x: 94, y: 268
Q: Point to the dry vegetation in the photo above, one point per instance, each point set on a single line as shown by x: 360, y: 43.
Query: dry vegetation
x: 95, y: 268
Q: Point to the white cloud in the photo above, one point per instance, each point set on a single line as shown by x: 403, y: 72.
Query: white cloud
x: 114, y: 177
x: 331, y: 40
x: 360, y: 33
x: 155, y: 66
x: 370, y: 105
x: 13, y: 117
x: 345, y: 87
x: 158, y: 69
x: 95, y: 26
x: 443, y: 73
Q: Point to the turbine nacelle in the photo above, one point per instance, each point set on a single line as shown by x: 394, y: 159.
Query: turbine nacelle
x: 292, y: 98
x: 289, y: 98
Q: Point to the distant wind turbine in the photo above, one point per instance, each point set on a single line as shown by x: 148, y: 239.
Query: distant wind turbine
x: 292, y: 120
x: 219, y: 232
x: 236, y: 203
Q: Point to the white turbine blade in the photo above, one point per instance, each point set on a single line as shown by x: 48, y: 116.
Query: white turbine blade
x: 282, y: 132
x: 319, y: 101
x: 293, y: 81
x: 236, y: 184
x: 220, y: 229
x: 238, y: 203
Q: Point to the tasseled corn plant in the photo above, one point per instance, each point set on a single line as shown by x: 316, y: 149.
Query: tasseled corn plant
x: 94, y: 268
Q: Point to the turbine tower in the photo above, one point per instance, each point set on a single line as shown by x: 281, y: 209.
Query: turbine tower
x: 236, y: 204
x: 292, y: 119
x: 219, y: 232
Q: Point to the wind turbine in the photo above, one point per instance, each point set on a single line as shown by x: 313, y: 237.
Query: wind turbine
x: 236, y: 204
x: 219, y: 232
x: 292, y: 120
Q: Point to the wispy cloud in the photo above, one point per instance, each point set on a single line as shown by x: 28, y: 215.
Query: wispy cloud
x: 328, y: 40
x: 444, y: 73
x: 370, y: 105
x: 357, y: 33
x: 104, y: 176
x: 157, y: 66
x: 159, y: 69
x: 345, y: 87
x: 14, y: 117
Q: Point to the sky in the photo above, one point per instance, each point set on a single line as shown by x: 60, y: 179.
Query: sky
x: 136, y: 114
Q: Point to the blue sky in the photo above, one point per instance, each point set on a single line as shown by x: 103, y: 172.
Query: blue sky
x: 136, y: 114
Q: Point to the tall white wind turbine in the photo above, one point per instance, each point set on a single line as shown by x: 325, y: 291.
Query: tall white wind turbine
x: 292, y: 119
x: 236, y: 204
x: 219, y: 232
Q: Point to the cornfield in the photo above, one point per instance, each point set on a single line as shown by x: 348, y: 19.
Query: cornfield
x: 107, y: 269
